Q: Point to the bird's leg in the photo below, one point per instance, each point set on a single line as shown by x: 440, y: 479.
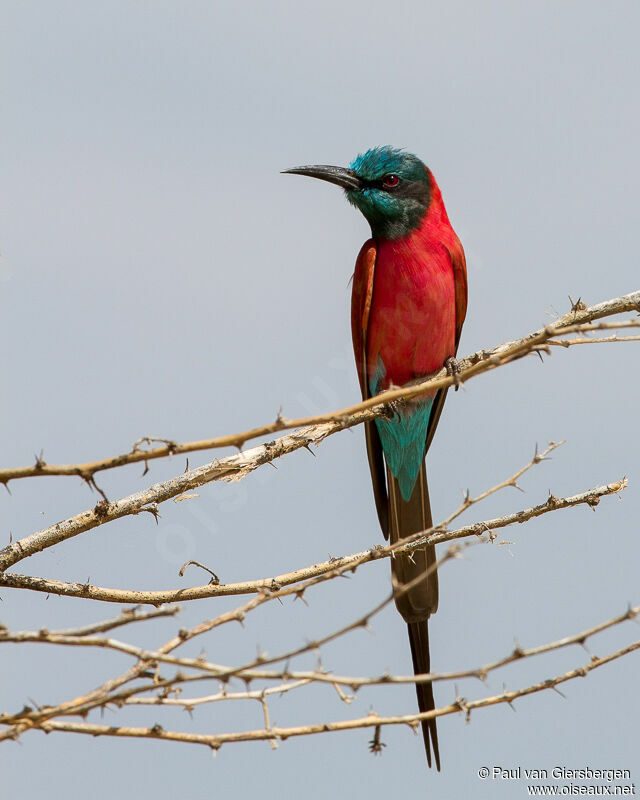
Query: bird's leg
x: 394, y: 407
x: 453, y: 369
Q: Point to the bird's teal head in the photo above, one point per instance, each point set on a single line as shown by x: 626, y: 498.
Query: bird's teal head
x: 391, y: 188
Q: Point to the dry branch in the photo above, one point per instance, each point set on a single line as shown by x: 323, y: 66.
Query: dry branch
x: 128, y: 616
x: 331, y: 568
x: 579, y: 319
x: 215, y: 741
x: 143, y: 678
x: 237, y: 466
x: 44, y: 718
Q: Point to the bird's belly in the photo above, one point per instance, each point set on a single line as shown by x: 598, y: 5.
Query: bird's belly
x: 412, y: 321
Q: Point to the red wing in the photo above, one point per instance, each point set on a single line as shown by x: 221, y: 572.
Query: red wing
x: 459, y: 265
x: 360, y: 308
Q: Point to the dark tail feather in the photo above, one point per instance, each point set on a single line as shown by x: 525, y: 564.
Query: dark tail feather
x: 419, y: 640
x: 416, y: 605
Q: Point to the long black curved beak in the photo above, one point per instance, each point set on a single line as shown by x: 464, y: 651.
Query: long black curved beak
x: 346, y: 178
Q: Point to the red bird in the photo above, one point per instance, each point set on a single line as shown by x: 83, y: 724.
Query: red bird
x: 407, y: 308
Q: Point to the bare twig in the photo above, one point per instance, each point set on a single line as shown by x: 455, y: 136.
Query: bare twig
x: 331, y: 567
x: 144, y: 676
x: 269, y: 733
x: 578, y: 319
x: 291, y: 679
x: 191, y: 702
x: 128, y: 616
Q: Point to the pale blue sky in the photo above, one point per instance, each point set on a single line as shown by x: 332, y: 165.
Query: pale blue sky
x: 160, y: 277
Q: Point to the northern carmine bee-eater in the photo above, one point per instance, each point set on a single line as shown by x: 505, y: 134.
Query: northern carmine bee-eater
x: 407, y: 308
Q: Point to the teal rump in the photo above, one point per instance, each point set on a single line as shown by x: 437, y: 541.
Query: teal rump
x: 403, y: 437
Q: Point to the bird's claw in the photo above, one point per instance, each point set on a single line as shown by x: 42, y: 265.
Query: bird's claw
x: 453, y: 371
x: 394, y: 408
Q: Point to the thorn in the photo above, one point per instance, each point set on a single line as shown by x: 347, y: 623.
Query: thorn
x: 346, y: 698
x: 90, y: 480
x: 300, y: 596
x: 215, y: 580
x: 578, y: 305
x: 482, y: 676
x: 306, y: 447
x: 552, y: 500
x: 509, y: 702
x: 170, y: 444
x: 153, y: 510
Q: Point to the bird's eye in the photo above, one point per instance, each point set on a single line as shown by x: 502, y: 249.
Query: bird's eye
x: 390, y: 181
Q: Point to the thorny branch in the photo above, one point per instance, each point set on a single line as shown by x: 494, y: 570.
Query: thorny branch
x: 148, y: 662
x: 335, y: 566
x: 128, y: 616
x: 580, y: 319
x: 239, y: 465
x: 45, y: 718
x: 142, y: 683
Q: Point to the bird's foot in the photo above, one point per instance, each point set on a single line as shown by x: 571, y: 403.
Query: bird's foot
x: 453, y: 370
x: 394, y: 407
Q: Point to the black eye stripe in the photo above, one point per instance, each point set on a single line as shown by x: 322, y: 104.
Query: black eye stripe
x: 379, y: 184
